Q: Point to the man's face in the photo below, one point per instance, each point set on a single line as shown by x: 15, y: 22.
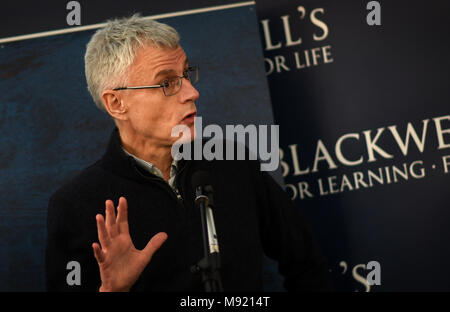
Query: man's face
x: 151, y: 113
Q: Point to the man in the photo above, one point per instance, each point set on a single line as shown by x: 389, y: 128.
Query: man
x: 139, y: 74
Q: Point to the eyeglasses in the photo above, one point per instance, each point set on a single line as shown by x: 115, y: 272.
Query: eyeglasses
x: 171, y: 86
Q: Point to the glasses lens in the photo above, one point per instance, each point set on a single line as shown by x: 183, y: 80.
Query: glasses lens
x: 172, y: 86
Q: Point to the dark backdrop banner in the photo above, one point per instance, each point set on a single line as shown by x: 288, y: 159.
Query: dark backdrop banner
x: 365, y: 133
x: 50, y: 128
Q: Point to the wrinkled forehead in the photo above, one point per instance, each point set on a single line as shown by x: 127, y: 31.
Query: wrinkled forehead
x: 151, y: 60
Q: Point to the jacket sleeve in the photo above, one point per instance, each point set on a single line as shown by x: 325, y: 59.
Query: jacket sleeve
x: 70, y: 263
x: 288, y: 239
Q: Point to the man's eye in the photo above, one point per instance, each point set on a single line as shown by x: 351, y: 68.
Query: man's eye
x: 170, y: 83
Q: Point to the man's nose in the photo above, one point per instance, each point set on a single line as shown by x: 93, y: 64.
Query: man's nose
x: 188, y: 92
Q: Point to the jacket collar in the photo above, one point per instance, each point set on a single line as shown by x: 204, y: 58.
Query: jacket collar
x: 117, y: 161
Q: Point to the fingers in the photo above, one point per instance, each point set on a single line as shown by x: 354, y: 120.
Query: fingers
x: 111, y: 218
x: 98, y: 254
x: 154, y: 244
x: 103, y: 235
x: 122, y: 216
x: 108, y: 227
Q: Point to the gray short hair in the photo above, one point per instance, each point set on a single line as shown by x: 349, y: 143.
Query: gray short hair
x: 112, y: 50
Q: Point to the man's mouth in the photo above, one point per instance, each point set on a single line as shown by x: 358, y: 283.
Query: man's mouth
x: 189, y: 118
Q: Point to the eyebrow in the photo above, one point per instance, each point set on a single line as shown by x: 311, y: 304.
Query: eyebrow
x: 168, y: 71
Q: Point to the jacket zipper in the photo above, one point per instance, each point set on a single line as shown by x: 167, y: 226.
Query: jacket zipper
x: 174, y: 193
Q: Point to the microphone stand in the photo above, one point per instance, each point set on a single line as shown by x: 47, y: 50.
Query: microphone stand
x: 209, y: 266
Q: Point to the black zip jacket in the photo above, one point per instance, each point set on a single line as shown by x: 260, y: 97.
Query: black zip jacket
x: 253, y: 215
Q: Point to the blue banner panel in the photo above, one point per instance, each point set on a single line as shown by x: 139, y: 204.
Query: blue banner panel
x: 51, y: 128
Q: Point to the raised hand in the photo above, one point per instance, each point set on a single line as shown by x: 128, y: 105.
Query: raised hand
x: 119, y: 261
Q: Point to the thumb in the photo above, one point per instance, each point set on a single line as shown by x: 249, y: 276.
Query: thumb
x: 154, y: 244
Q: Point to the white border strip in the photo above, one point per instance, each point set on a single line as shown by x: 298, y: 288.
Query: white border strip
x: 94, y: 26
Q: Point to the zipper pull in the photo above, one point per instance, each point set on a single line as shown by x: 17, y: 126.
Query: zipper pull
x: 178, y: 195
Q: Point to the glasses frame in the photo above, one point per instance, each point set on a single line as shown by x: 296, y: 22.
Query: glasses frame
x: 186, y: 75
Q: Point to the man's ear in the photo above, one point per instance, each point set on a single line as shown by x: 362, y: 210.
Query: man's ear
x: 114, y: 104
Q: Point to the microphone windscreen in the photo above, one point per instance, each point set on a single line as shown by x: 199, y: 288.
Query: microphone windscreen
x: 200, y: 178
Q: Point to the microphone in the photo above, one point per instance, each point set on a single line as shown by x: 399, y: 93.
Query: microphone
x: 209, y: 266
x: 202, y: 185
